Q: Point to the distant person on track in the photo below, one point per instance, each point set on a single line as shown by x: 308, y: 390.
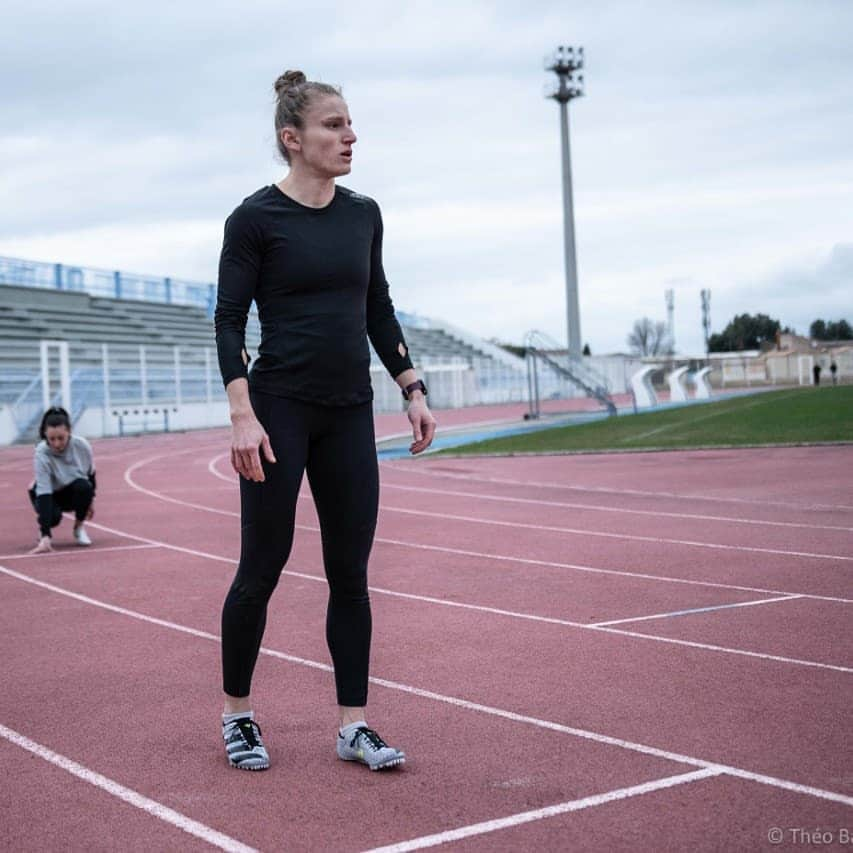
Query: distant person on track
x: 833, y: 369
x: 310, y: 254
x: 64, y: 479
x: 816, y: 374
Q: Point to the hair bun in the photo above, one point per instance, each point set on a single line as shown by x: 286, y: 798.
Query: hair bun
x: 288, y: 80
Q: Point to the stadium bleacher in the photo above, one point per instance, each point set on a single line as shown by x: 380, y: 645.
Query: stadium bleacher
x: 180, y: 337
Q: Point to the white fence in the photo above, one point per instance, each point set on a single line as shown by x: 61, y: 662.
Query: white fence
x: 118, y: 389
x: 114, y: 389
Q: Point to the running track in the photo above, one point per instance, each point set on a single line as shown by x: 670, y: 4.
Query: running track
x: 640, y: 651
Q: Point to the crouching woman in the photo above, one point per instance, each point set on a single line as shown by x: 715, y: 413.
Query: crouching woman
x: 64, y: 479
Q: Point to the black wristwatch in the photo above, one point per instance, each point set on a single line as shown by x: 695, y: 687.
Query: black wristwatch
x: 415, y: 386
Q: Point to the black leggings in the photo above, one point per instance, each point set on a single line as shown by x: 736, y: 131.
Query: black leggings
x: 336, y: 447
x: 76, y: 496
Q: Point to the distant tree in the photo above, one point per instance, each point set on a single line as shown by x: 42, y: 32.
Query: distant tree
x: 586, y: 350
x: 832, y: 330
x: 817, y: 330
x: 648, y: 337
x: 745, y: 332
x: 840, y: 331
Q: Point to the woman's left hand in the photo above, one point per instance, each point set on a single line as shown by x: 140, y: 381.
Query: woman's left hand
x: 423, y: 425
x: 90, y: 513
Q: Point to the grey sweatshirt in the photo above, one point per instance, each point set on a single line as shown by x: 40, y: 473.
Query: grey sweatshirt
x: 54, y: 471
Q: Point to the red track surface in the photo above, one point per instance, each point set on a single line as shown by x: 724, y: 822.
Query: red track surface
x: 514, y: 657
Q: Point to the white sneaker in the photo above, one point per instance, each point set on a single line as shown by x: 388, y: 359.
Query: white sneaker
x: 365, y: 746
x: 81, y: 537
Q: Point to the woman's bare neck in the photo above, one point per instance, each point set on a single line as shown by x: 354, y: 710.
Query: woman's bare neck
x: 308, y: 190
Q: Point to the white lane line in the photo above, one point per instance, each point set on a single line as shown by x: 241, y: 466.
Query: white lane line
x: 155, y: 543
x: 594, y: 570
x: 632, y: 634
x: 571, y: 530
x: 694, y: 610
x: 457, y: 702
x: 614, y: 509
x: 480, y: 555
x: 581, y: 532
x: 420, y: 468
x: 548, y: 811
x: 600, y: 626
x: 135, y: 799
x: 67, y: 552
x: 710, y: 647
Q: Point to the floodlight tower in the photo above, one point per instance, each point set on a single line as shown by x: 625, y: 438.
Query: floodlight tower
x: 565, y: 62
x: 706, y: 316
x: 669, y: 295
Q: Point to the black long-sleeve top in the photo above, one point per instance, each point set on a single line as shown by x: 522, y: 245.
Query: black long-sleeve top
x: 316, y: 276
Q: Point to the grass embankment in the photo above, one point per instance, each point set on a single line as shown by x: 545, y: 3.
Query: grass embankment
x: 772, y: 417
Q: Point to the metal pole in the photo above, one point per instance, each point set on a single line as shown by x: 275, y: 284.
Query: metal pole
x: 143, y: 376
x: 529, y: 359
x: 207, y: 383
x: 105, y: 361
x: 45, y: 374
x: 573, y: 315
x: 65, y: 377
x: 177, y: 376
x: 565, y: 62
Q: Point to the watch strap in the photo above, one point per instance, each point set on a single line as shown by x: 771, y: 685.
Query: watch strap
x: 414, y: 386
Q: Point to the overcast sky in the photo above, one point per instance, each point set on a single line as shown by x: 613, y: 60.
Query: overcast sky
x: 714, y: 148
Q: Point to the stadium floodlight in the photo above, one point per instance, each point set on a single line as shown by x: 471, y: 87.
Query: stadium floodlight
x: 705, y: 296
x: 566, y: 62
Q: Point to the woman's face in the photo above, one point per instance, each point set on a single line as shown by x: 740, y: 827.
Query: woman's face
x: 326, y: 139
x: 57, y: 437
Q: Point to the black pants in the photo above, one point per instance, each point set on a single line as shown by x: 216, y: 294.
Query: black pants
x: 335, y: 445
x: 76, y: 496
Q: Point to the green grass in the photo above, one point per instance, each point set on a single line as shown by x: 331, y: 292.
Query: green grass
x: 772, y: 417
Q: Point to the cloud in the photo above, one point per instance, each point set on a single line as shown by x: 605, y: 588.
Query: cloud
x: 712, y: 147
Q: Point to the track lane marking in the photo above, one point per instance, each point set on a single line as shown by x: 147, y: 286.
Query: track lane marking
x: 548, y: 811
x: 213, y: 470
x: 66, y: 552
x: 576, y: 531
x: 612, y: 509
x: 128, y: 795
x: 458, y: 702
x: 481, y: 555
x: 155, y: 543
x: 630, y: 536
x: 419, y: 468
x: 633, y: 634
x: 694, y: 610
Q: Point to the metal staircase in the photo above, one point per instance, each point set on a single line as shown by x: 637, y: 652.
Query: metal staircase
x: 539, y: 347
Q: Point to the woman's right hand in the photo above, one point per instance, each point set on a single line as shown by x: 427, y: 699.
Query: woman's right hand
x: 43, y: 546
x: 247, y: 435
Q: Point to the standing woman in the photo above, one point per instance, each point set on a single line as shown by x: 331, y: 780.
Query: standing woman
x: 310, y: 254
x: 64, y: 478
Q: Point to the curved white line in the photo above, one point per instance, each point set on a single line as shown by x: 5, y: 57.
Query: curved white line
x: 481, y: 555
x: 691, y: 543
x: 480, y: 608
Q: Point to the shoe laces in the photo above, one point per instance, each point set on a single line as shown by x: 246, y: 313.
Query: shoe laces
x: 250, y: 731
x: 376, y: 743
